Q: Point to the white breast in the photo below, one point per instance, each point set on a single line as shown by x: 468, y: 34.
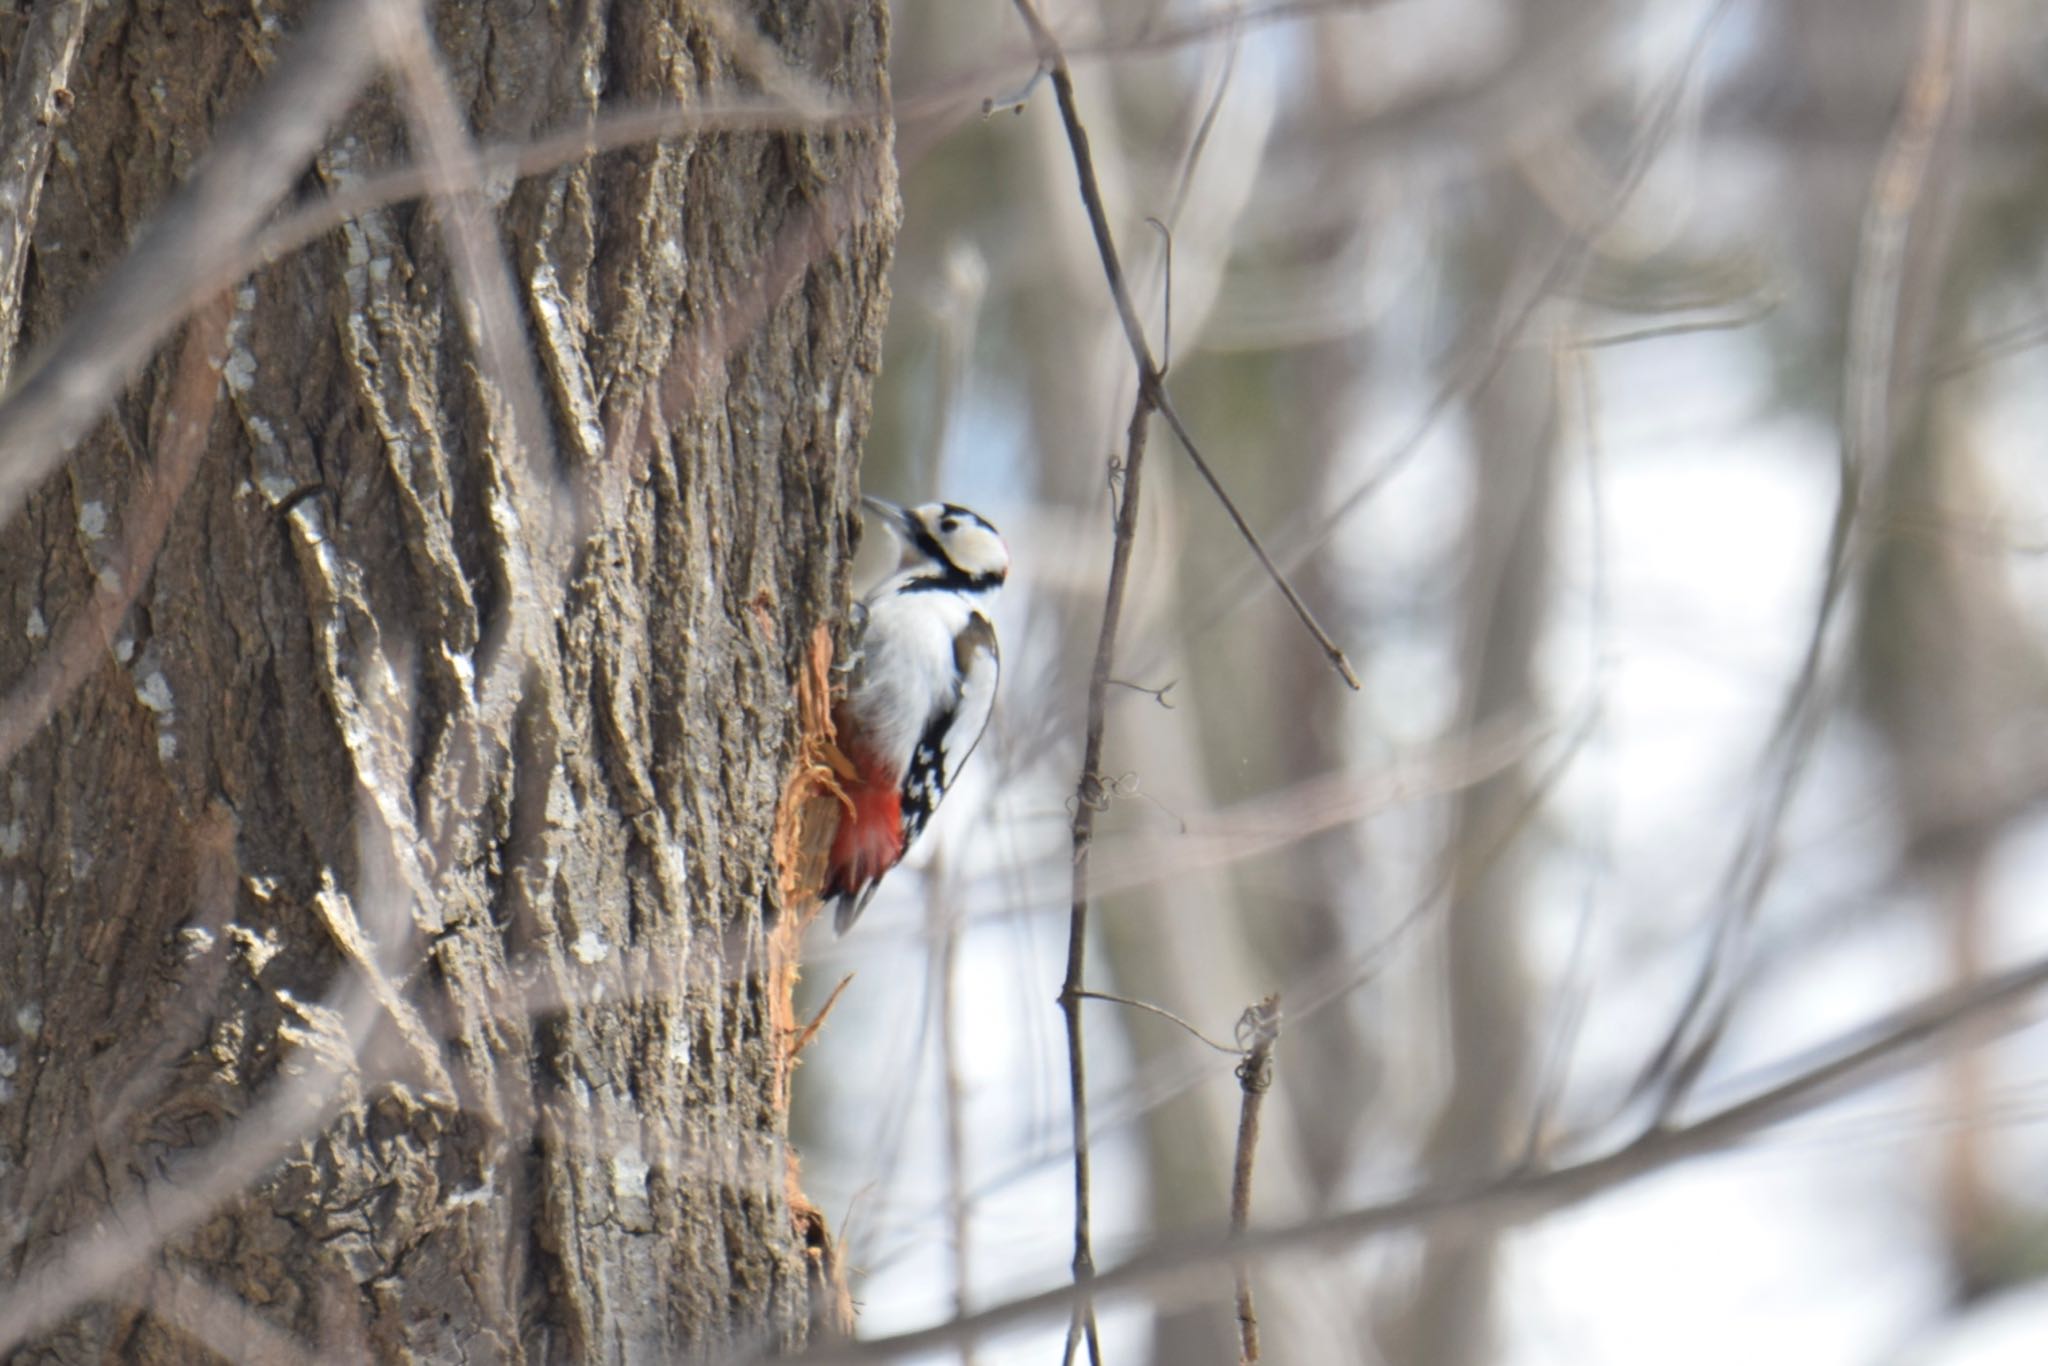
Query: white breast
x: 907, y: 670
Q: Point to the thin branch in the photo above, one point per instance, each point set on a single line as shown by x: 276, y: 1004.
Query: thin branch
x: 1014, y: 102
x: 1260, y: 1026
x: 1088, y: 800
x: 1758, y: 310
x: 817, y: 1021
x: 1273, y: 571
x: 1196, y: 146
x: 1166, y: 294
x: 1856, y: 1059
x: 1163, y: 1013
x: 1157, y: 694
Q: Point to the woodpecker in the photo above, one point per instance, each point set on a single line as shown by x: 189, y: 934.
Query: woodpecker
x: 923, y: 681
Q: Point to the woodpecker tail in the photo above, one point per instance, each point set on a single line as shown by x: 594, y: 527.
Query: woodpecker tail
x: 848, y: 906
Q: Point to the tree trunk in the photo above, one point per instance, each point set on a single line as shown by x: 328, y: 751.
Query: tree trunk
x: 393, y: 947
x: 1450, y: 1320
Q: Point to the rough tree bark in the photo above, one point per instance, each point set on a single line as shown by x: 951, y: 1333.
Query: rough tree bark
x: 392, y: 951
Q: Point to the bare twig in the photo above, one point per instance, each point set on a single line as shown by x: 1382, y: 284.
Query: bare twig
x: 1166, y: 294
x: 1258, y: 1030
x: 817, y: 1021
x: 1088, y: 800
x: 1014, y: 102
x: 1336, y: 656
x: 1163, y: 1013
x: 1157, y: 694
x: 1758, y: 310
x: 1196, y: 146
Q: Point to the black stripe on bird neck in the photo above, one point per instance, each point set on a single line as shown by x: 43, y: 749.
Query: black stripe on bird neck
x: 951, y: 578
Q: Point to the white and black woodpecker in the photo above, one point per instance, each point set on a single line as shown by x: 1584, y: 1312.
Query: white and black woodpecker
x: 923, y: 681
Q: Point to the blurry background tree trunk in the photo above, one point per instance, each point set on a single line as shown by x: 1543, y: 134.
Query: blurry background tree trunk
x: 434, y: 770
x: 1488, y: 1016
x: 1952, y: 679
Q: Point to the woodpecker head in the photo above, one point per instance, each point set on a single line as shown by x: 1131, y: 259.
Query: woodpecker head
x: 945, y: 546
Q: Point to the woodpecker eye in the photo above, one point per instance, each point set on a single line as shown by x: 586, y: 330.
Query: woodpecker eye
x: 950, y: 524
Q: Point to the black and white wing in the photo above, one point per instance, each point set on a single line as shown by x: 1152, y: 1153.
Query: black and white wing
x: 953, y: 731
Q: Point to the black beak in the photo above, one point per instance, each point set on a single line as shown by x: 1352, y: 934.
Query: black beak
x: 896, y: 517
